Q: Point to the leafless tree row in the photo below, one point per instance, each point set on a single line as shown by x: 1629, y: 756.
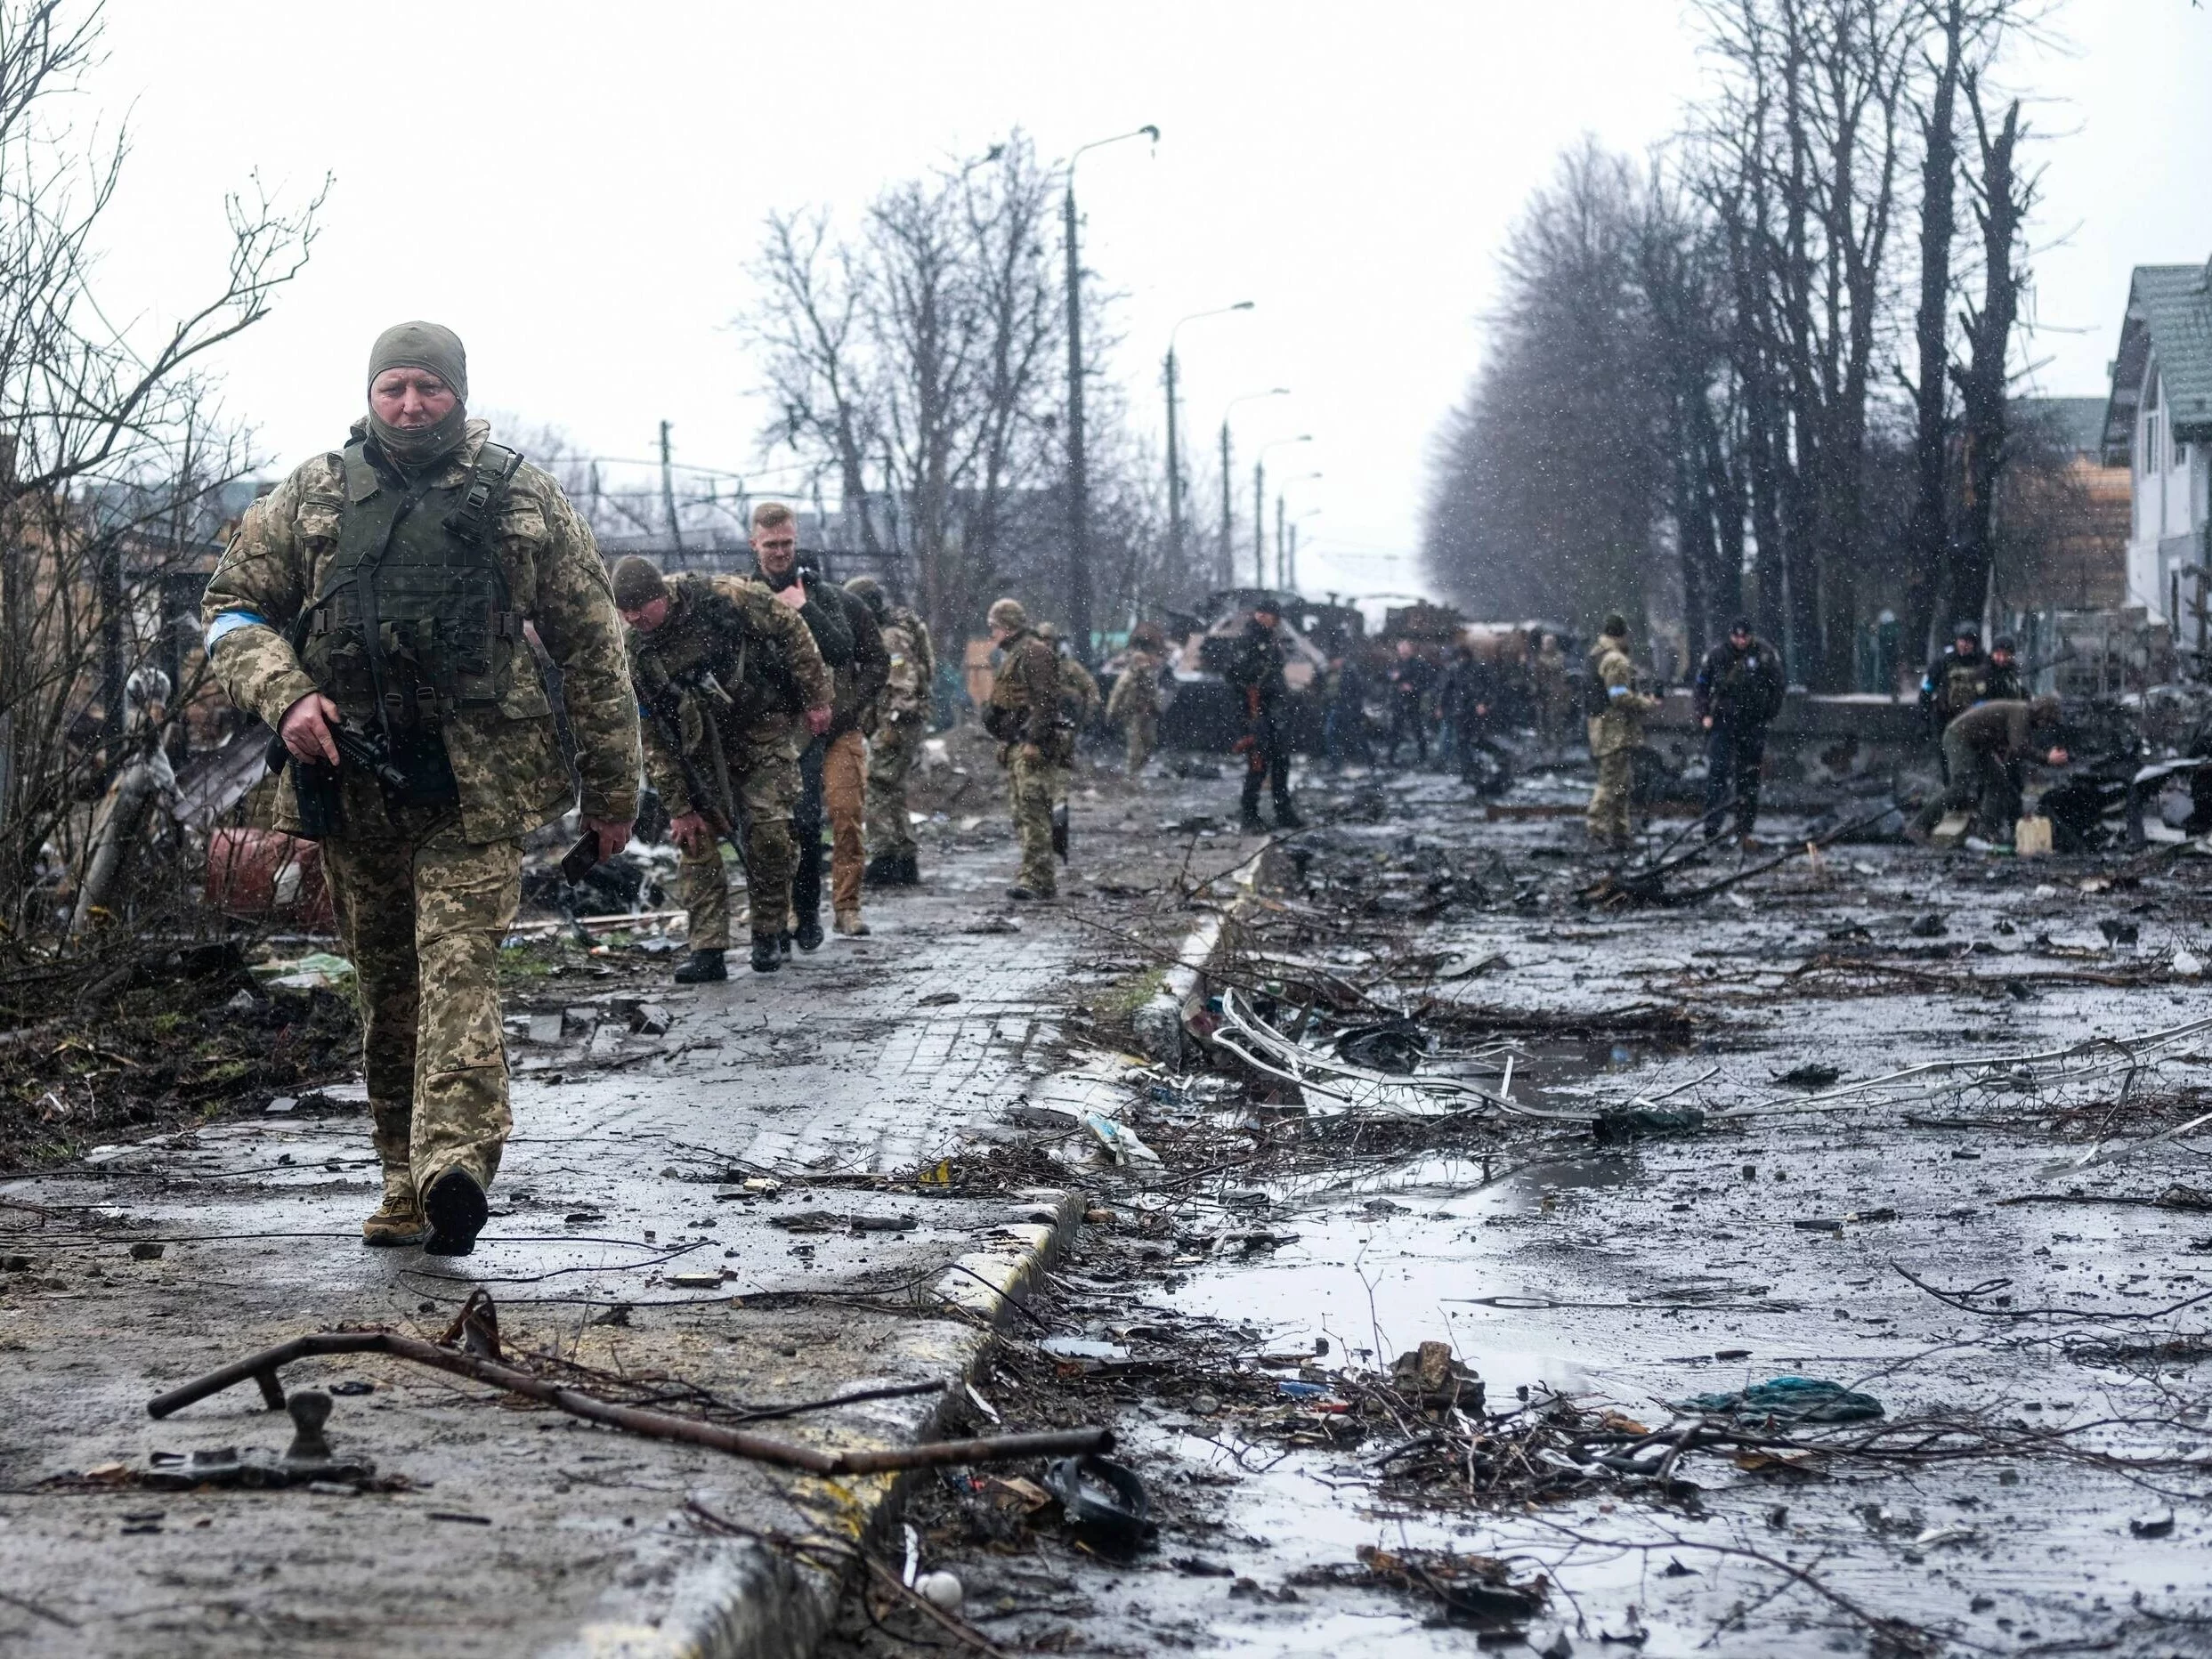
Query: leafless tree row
x: 112, y: 452
x: 917, y: 361
x: 1704, y: 369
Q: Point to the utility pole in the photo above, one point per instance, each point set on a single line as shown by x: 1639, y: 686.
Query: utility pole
x: 1293, y: 581
x: 1282, y: 572
x: 1175, y: 474
x: 1226, y: 559
x: 1175, y: 453
x: 1078, y: 475
x: 667, y: 492
x: 1260, y: 523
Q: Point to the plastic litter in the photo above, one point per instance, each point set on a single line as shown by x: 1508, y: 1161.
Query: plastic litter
x: 1121, y: 1143
x: 940, y: 1589
x: 1393, y: 1045
x: 1101, y: 1498
x: 1789, y: 1400
x: 1082, y: 1348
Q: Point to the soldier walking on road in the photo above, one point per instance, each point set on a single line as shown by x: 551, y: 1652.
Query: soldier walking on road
x: 371, y: 609
x: 1256, y: 674
x: 730, y: 683
x: 832, y: 769
x: 1739, y: 692
x: 1079, y: 708
x: 1135, y: 704
x: 895, y: 725
x: 1024, y: 714
x: 1615, y: 710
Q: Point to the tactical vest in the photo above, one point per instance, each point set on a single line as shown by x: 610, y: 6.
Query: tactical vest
x: 713, y: 653
x: 1964, y: 685
x: 413, y: 622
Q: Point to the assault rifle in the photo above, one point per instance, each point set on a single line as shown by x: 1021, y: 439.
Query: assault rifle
x: 315, y: 782
x: 711, y: 802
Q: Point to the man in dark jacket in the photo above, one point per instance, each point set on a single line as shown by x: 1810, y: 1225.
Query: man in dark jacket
x: 1955, y: 683
x: 1411, y: 676
x: 1739, y: 692
x: 1256, y: 674
x: 832, y: 768
x: 1468, y: 701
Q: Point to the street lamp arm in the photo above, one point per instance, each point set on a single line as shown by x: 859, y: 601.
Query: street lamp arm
x: 1146, y: 131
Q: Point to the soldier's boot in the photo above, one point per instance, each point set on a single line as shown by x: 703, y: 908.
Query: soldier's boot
x: 910, y: 869
x: 849, y: 924
x: 766, y: 956
x: 456, y: 1208
x: 1059, y: 831
x: 1022, y: 896
x: 398, y: 1219
x: 700, y: 967
x: 883, y: 871
x: 807, y: 935
x: 1252, y: 823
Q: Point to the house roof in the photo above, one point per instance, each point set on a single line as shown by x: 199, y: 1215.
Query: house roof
x: 2170, y: 316
x: 2075, y: 423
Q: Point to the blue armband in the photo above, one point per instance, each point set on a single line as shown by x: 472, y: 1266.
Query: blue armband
x: 229, y: 621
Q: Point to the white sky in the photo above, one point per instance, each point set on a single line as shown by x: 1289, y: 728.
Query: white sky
x: 574, y: 188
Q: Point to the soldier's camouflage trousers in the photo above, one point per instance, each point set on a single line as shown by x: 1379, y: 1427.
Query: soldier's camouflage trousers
x: 1607, y: 814
x: 1141, y: 729
x: 423, y: 914
x: 764, y: 777
x: 891, y: 753
x: 1032, y: 789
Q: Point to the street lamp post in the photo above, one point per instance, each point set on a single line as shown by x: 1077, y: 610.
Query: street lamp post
x: 1259, y: 505
x: 1227, y: 573
x: 1175, y: 468
x: 1078, y: 474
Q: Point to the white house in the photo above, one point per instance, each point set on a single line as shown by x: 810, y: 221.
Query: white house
x: 2158, y: 425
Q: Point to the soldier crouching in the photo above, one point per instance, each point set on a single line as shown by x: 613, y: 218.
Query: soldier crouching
x: 371, y: 609
x: 727, y: 680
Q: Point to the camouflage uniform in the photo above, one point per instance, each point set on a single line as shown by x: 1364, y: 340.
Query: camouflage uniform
x: 902, y: 720
x: 1025, y: 715
x: 424, y: 892
x: 1135, y: 705
x: 1615, y: 737
x: 726, y: 675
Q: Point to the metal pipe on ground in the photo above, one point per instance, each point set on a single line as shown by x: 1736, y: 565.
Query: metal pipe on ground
x: 262, y: 1368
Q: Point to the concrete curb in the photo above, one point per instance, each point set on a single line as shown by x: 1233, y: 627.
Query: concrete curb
x: 1161, y: 1023
x: 736, y: 1598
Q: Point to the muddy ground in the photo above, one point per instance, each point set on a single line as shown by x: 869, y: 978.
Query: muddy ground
x: 1997, y: 1257
x: 1560, y: 1261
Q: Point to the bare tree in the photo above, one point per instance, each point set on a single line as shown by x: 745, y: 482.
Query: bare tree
x: 106, y: 436
x: 2002, y: 197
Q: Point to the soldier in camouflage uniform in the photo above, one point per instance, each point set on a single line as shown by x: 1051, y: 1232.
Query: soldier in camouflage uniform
x: 371, y: 609
x: 1616, y: 718
x: 1024, y: 714
x: 897, y: 723
x: 1079, y: 708
x: 727, y: 679
x: 1135, y: 705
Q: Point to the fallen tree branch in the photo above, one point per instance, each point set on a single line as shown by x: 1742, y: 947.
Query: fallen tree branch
x: 262, y: 1368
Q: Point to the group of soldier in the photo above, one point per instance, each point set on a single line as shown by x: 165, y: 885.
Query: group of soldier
x: 1985, y: 725
x: 1987, y: 729
x: 1469, y: 703
x: 402, y: 612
